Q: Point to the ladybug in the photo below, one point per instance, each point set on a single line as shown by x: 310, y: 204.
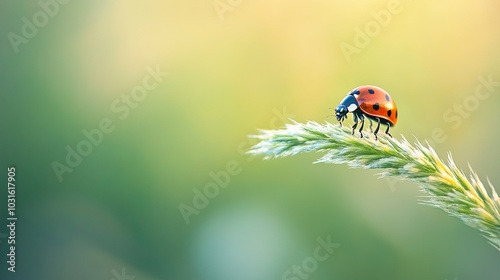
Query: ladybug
x: 371, y: 102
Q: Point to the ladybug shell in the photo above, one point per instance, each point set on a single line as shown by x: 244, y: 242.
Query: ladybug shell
x: 376, y: 103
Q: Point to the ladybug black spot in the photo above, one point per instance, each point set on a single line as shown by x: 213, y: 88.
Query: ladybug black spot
x: 389, y: 113
x: 355, y: 92
x: 371, y: 91
x: 396, y: 114
x: 387, y: 97
x: 376, y: 106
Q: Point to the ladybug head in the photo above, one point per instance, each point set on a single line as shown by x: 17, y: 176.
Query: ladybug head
x: 348, y: 104
x: 341, y: 112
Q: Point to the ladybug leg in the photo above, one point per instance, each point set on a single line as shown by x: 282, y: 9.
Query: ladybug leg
x: 362, y: 118
x: 371, y: 125
x: 376, y: 129
x: 387, y: 131
x: 355, y: 117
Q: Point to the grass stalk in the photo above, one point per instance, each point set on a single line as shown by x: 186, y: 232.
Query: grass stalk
x: 445, y: 185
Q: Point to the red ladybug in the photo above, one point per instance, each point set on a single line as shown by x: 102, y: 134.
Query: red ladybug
x: 371, y: 102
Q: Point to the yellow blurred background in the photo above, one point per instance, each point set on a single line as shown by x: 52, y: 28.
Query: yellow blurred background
x: 169, y: 92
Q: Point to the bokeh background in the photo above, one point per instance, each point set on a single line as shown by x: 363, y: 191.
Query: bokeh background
x: 235, y: 66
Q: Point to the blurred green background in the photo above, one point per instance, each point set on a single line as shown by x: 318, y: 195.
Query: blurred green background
x: 234, y: 66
